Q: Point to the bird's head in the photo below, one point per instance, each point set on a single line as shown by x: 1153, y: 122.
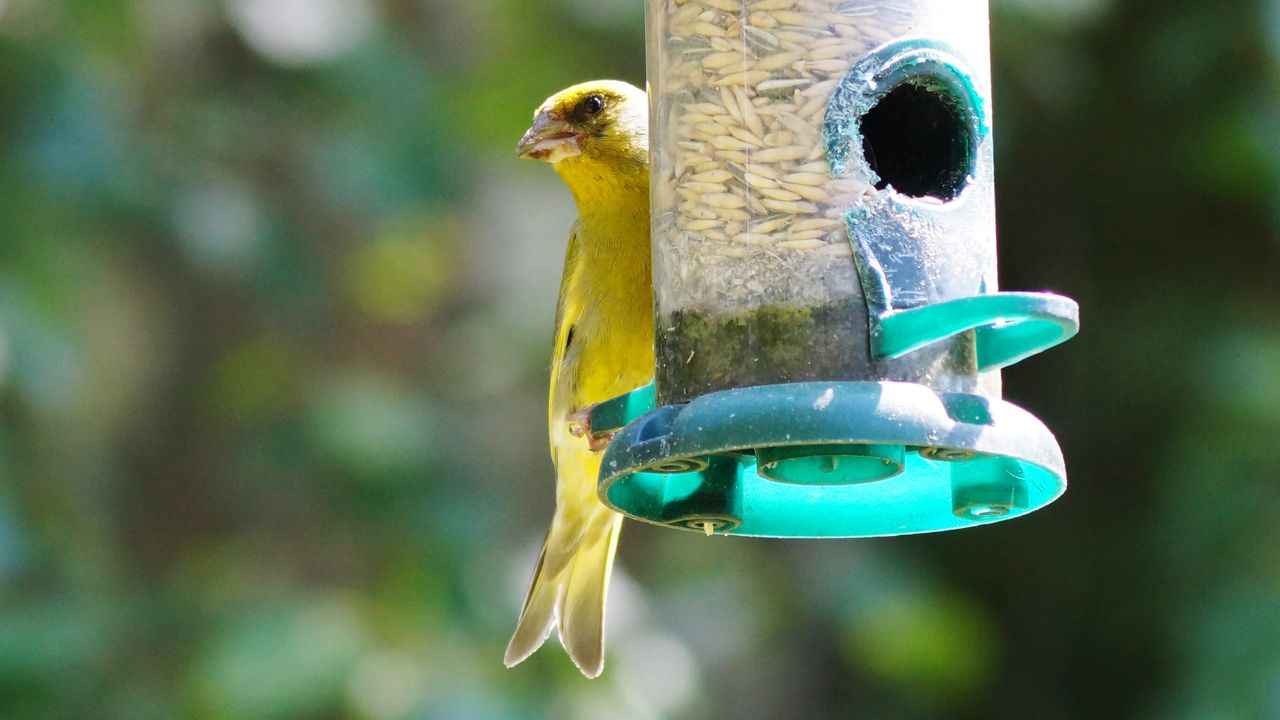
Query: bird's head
x: 603, y: 122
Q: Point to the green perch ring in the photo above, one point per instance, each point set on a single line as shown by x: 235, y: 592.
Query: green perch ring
x: 827, y: 459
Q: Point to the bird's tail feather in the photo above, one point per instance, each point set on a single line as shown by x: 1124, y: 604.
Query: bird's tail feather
x: 536, y: 617
x: 569, y: 586
x: 581, y: 607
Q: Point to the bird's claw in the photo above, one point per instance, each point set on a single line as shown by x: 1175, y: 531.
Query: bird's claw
x: 580, y: 426
x: 580, y: 422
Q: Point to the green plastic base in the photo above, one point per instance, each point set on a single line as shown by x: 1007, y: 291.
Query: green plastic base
x: 837, y: 459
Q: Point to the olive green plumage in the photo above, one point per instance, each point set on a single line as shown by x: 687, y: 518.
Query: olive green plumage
x: 595, y: 135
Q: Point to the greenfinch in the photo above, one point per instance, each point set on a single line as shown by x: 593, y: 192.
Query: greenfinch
x: 595, y: 135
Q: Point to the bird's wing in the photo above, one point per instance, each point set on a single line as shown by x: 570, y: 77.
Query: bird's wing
x: 569, y: 307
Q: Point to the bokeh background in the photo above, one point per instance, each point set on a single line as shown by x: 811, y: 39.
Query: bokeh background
x: 275, y: 307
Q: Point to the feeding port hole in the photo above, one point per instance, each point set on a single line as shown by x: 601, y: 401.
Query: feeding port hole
x: 919, y: 139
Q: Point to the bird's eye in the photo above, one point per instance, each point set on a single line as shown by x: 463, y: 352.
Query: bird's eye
x: 591, y: 106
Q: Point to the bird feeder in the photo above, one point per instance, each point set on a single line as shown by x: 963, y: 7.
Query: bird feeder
x: 829, y: 331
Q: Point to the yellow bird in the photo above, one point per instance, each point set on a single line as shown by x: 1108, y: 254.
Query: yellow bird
x: 595, y: 135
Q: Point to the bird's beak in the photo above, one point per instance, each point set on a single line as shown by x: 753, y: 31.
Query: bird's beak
x: 550, y: 139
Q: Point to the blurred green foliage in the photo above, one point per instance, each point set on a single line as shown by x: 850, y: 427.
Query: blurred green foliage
x: 274, y: 305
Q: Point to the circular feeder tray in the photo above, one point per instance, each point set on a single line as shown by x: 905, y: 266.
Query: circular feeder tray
x: 826, y: 459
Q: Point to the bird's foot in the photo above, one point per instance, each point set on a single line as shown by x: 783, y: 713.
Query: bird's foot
x: 580, y: 426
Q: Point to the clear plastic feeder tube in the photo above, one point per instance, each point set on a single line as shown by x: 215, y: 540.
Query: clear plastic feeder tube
x: 817, y: 163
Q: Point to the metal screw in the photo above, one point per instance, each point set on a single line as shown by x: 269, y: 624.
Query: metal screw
x: 946, y: 454
x: 705, y: 525
x: 679, y: 465
x: 987, y: 512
